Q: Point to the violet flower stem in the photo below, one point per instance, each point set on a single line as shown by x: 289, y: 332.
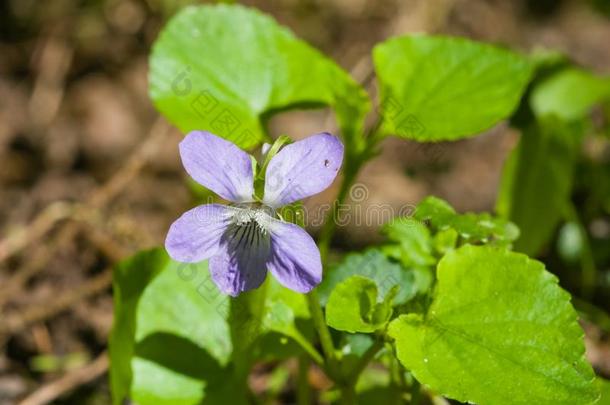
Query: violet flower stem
x: 326, y: 341
x: 353, y: 164
x: 303, y: 388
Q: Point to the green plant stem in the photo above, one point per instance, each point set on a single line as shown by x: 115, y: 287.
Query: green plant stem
x: 396, y: 375
x: 353, y: 163
x: 245, y: 318
x: 394, y: 378
x: 348, y: 395
x: 314, y: 355
x: 399, y: 381
x: 333, y: 369
x: 365, y: 360
x: 303, y: 388
x: 348, y: 385
x: 326, y: 341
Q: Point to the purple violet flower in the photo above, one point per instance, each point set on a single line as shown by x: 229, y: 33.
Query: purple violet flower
x: 246, y: 238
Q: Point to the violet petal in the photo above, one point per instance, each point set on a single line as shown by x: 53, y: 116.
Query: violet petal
x: 295, y: 258
x: 218, y: 165
x: 240, y: 264
x: 302, y: 169
x: 196, y: 235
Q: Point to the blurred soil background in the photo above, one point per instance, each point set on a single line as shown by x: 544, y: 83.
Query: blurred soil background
x: 89, y: 173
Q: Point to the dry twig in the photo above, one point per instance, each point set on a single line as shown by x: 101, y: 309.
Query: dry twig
x: 101, y: 196
x: 23, y: 236
x: 14, y: 323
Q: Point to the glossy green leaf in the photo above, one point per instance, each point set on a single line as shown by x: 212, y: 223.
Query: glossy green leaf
x: 484, y: 228
x: 470, y: 227
x: 422, y: 274
x: 285, y: 314
x: 435, y: 211
x: 207, y: 74
x: 353, y: 306
x: 413, y: 248
x: 537, y: 181
x: 414, y: 239
x: 569, y: 94
x: 170, y: 341
x: 442, y: 88
x: 445, y: 240
x: 499, y: 331
x: 372, y: 264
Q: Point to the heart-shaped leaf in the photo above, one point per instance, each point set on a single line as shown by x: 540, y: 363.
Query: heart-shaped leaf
x: 225, y: 68
x: 499, y: 331
x: 441, y: 88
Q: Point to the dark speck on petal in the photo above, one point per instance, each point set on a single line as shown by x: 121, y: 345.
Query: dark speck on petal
x: 305, y: 168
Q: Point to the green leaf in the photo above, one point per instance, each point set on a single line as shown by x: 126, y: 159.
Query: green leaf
x: 353, y: 307
x: 435, y: 211
x: 605, y: 389
x: 442, y: 88
x: 279, y: 317
x: 356, y: 344
x: 537, y: 181
x: 569, y: 94
x: 499, y: 331
x: 206, y: 74
x: 414, y: 249
x: 445, y: 240
x: 297, y: 302
x: 414, y: 238
x: 546, y: 60
x: 283, y: 308
x: 471, y: 227
x: 484, y: 228
x: 374, y: 265
x: 170, y: 341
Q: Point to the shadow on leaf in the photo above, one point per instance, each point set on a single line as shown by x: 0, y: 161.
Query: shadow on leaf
x: 180, y: 355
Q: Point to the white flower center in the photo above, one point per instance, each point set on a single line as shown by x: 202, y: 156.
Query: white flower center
x: 246, y: 215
